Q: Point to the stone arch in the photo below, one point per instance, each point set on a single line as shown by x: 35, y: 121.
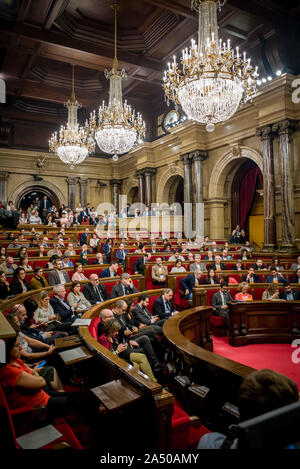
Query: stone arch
x: 129, y: 188
x: 21, y: 190
x: 166, y: 181
x: 225, y: 166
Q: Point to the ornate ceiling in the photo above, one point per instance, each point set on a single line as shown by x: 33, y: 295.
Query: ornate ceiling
x: 40, y: 39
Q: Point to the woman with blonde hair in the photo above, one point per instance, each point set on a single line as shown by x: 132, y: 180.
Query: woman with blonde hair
x: 243, y: 288
x: 271, y: 292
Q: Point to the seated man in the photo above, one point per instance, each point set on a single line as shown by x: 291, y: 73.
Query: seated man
x: 209, y: 256
x: 54, y: 251
x: 99, y: 259
x: 226, y: 256
x: 217, y: 265
x: 189, y: 282
x: 60, y: 306
x: 58, y: 275
x: 163, y: 305
x: 197, y: 265
x: 259, y: 265
x: 176, y: 256
x: 138, y: 267
x: 8, y: 267
x: 251, y: 277
x: 84, y: 236
x: 159, y: 273
x: 70, y: 251
x: 261, y: 392
x: 296, y: 265
x: 124, y: 287
x: 141, y: 314
x: 238, y: 265
x: 111, y: 271
x: 38, y: 280
x: 289, y: 294
x: 121, y: 254
x: 67, y: 261
x: 94, y: 292
x: 20, y: 312
x: 219, y: 301
x: 276, y: 277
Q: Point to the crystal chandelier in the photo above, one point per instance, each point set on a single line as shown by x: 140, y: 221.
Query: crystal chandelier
x: 73, y: 144
x: 116, y: 127
x: 213, y: 79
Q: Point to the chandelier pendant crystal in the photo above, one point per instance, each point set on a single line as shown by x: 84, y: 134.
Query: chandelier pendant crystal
x: 73, y: 143
x: 213, y: 79
x: 116, y: 127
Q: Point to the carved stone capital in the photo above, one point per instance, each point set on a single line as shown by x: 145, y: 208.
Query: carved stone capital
x: 265, y: 133
x: 195, y: 155
x: 72, y: 181
x: 185, y: 158
x: 149, y: 171
x: 83, y: 182
x: 116, y: 182
x: 285, y: 127
x: 140, y: 173
x: 4, y: 175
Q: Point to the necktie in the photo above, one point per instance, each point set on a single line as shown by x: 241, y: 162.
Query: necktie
x: 99, y: 297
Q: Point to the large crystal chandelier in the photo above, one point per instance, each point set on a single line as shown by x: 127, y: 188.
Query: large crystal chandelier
x: 213, y: 79
x: 73, y: 143
x: 116, y: 127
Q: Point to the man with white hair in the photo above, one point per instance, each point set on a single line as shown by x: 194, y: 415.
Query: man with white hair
x: 8, y: 267
x: 60, y: 306
x: 197, y: 265
x: 125, y: 287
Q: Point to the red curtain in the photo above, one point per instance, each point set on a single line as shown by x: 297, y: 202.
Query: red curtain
x: 247, y: 189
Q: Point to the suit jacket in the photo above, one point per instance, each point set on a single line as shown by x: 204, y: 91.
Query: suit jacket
x: 216, y: 301
x: 213, y: 266
x: 159, y: 308
x: 53, y: 277
x: 120, y: 254
x: 117, y: 290
x: 296, y: 295
x: 188, y: 283
x: 142, y: 315
x: 295, y: 279
x: 4, y: 268
x: 155, y: 272
x: 139, y: 265
x: 263, y: 267
x: 255, y: 278
x: 107, y: 273
x: 106, y: 249
x: 63, y: 309
x: 195, y: 266
x: 42, y: 205
x: 90, y: 294
x: 269, y: 279
x: 16, y: 287
x: 83, y: 239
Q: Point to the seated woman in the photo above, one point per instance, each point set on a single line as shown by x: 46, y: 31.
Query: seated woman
x: 45, y: 314
x: 4, y: 286
x: 22, y: 252
x: 38, y: 280
x: 28, y: 386
x: 275, y: 264
x: 19, y: 284
x: 178, y: 267
x: 94, y: 242
x: 245, y: 255
x: 84, y: 258
x: 227, y: 279
x: 243, y: 295
x: 296, y: 278
x: 108, y: 340
x: 271, y: 292
x: 78, y: 276
x: 77, y: 300
x: 3, y: 253
x: 211, y: 278
x: 24, y: 262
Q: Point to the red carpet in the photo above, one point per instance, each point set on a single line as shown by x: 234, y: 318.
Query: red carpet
x: 277, y: 357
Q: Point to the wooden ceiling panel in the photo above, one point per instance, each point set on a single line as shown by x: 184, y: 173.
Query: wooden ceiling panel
x: 38, y: 11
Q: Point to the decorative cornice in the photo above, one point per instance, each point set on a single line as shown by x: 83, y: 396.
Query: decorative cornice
x: 116, y: 182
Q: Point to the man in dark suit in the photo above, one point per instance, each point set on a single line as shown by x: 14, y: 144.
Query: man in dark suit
x: 141, y: 314
x: 84, y: 236
x: 163, y: 306
x: 138, y: 267
x: 44, y: 207
x: 58, y: 275
x: 99, y: 259
x: 238, y: 265
x: 60, y: 306
x: 251, y: 277
x: 111, y: 271
x: 276, y: 277
x: 259, y: 265
x: 189, y: 282
x: 94, y: 292
x: 125, y: 287
x: 219, y: 301
x: 217, y: 265
x: 121, y: 254
x: 289, y: 294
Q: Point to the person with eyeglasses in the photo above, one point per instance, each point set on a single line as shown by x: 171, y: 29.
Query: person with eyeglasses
x: 94, y: 292
x: 219, y: 301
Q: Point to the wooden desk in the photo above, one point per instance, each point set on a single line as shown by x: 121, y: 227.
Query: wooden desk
x: 64, y: 343
x: 117, y: 394
x: 259, y: 322
x: 88, y: 356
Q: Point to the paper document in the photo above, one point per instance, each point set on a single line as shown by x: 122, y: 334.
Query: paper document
x: 73, y: 354
x: 82, y: 322
x: 39, y: 438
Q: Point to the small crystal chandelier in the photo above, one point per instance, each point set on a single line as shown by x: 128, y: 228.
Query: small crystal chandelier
x: 116, y: 127
x: 74, y: 143
x: 213, y: 80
